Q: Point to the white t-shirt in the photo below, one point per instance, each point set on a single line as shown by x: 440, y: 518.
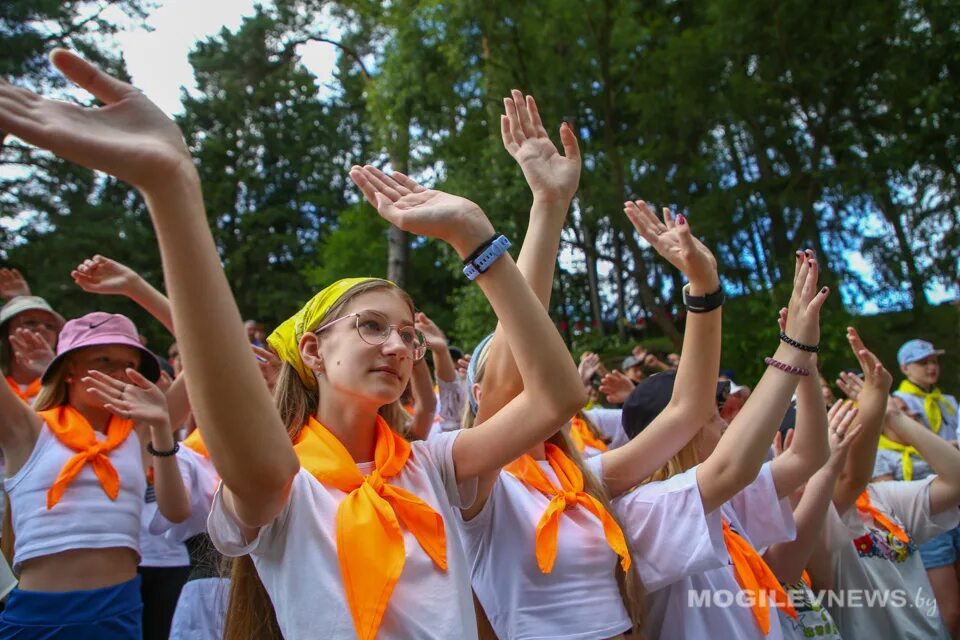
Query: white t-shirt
x: 710, y: 604
x: 578, y: 600
x: 610, y: 423
x: 201, y: 481
x: 812, y: 621
x: 670, y: 535
x: 296, y: 556
x: 880, y: 581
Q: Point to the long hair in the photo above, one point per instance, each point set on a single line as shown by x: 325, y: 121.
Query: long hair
x: 687, y: 458
x: 52, y: 394
x: 250, y: 614
x: 631, y: 588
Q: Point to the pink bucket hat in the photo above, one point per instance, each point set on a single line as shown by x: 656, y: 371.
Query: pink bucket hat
x: 99, y: 328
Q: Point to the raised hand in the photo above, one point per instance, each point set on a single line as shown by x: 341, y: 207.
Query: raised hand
x: 589, y: 365
x: 782, y: 442
x: 551, y: 176
x: 12, y: 284
x: 103, y: 275
x: 840, y: 416
x: 31, y: 350
x: 802, y: 322
x: 139, y: 400
x: 430, y: 331
x: 462, y: 365
x: 269, y: 365
x: 876, y: 378
x: 130, y: 137
x: 851, y: 384
x: 673, y: 240
x: 426, y: 212
x: 616, y: 386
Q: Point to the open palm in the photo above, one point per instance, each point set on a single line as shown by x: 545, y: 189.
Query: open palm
x: 425, y: 212
x: 129, y: 138
x: 673, y: 241
x: 549, y: 174
x: 103, y: 275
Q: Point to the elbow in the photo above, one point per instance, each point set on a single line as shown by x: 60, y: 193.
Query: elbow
x: 178, y: 513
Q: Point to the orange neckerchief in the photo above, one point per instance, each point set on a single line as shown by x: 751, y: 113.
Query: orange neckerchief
x: 805, y: 576
x: 73, y: 431
x: 369, y: 540
x: 865, y: 506
x: 570, y: 494
x: 25, y: 394
x: 755, y: 577
x: 195, y: 442
x: 583, y: 437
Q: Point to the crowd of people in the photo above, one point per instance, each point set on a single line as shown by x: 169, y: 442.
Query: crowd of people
x: 325, y: 481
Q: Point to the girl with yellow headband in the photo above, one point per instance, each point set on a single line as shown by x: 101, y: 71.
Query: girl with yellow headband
x: 346, y: 523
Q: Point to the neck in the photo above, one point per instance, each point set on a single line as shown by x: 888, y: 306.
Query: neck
x: 98, y: 417
x: 352, y: 423
x: 926, y: 387
x: 538, y: 451
x: 20, y: 373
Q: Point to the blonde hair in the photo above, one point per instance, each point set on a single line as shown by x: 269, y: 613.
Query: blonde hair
x: 687, y: 458
x: 631, y: 587
x: 250, y: 613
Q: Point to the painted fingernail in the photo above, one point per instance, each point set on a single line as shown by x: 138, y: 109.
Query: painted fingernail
x: 824, y: 290
x: 681, y: 219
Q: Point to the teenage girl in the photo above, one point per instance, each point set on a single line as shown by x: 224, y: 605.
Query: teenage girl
x: 310, y: 489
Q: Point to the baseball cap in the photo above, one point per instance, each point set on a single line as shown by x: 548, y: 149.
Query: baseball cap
x: 99, y: 328
x: 651, y: 396
x: 914, y: 350
x: 630, y: 361
x: 19, y: 304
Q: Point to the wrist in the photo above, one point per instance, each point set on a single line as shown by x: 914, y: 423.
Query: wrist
x: 552, y: 198
x: 469, y: 237
x: 704, y: 286
x: 789, y: 355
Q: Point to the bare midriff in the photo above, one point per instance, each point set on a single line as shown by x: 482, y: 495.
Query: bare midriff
x: 79, y: 569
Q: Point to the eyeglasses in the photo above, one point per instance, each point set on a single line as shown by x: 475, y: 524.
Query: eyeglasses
x: 374, y: 329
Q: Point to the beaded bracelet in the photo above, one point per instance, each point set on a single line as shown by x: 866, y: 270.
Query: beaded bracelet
x: 163, y: 454
x: 799, y: 345
x: 787, y: 368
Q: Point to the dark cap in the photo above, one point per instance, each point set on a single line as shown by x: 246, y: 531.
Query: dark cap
x: 646, y: 401
x: 651, y: 396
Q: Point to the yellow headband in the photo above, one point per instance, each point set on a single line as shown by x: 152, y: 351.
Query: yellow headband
x: 285, y: 339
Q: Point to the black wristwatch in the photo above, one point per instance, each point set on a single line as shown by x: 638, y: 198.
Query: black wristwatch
x: 702, y: 304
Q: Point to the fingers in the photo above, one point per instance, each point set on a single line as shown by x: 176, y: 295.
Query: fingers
x: 102, y: 86
x: 643, y: 220
x: 571, y: 146
x: 366, y: 188
x: 506, y: 134
x: 266, y: 354
x: 521, y: 107
x: 782, y: 319
x: 668, y: 220
x: 777, y: 445
x: 409, y: 183
x: 137, y: 378
x: 535, y: 120
x: 516, y: 129
x: 810, y: 277
x: 851, y: 436
x: 787, y: 441
x: 384, y: 183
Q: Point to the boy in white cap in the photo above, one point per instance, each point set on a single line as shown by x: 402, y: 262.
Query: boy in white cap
x: 937, y: 411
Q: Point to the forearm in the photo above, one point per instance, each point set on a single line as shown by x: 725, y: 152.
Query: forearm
x: 178, y: 403
x: 811, y: 447
x: 536, y: 261
x: 424, y: 402
x: 788, y: 559
x: 237, y: 426
x: 858, y: 471
x: 153, y: 302
x: 173, y: 499
x: 696, y: 379
x: 443, y: 363
x: 940, y: 455
x: 737, y: 459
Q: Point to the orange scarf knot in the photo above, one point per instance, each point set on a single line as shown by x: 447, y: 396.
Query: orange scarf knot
x: 570, y: 494
x: 73, y: 431
x: 865, y: 506
x: 755, y: 577
x: 582, y: 436
x: 370, y: 547
x: 32, y: 390
x: 195, y: 442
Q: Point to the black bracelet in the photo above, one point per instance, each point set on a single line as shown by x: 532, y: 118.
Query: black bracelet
x: 162, y: 454
x: 799, y: 345
x: 483, y: 247
x: 702, y: 304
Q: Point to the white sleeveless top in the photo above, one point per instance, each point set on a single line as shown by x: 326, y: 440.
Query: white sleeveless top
x: 85, y: 517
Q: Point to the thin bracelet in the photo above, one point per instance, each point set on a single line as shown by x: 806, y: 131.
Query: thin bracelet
x: 162, y: 454
x: 787, y: 368
x: 809, y: 348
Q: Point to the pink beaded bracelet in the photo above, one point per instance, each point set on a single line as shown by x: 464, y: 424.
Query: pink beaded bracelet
x: 788, y: 368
